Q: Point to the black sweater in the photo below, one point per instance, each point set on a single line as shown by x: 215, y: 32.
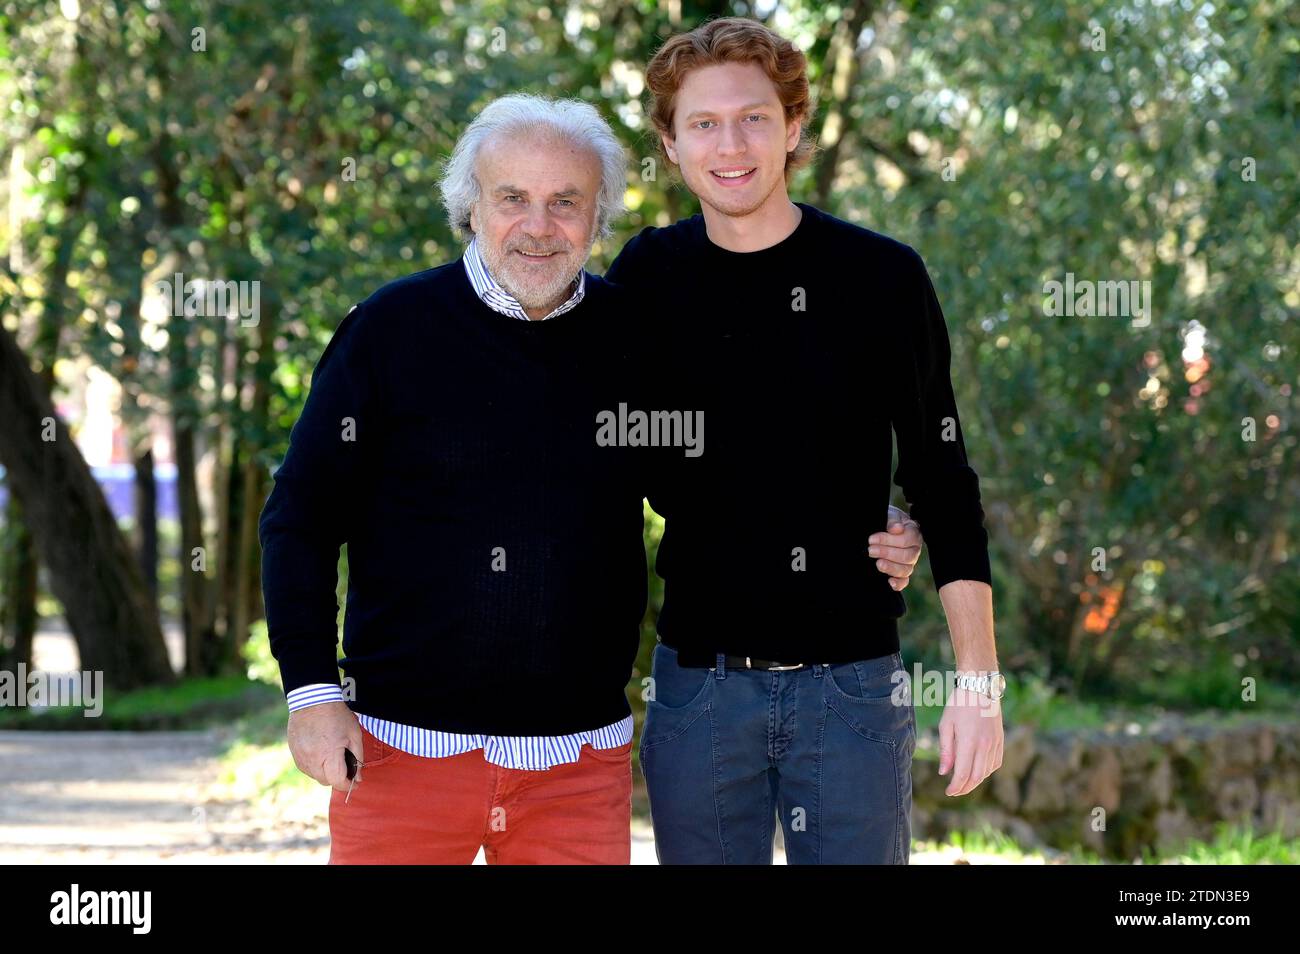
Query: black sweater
x: 802, y: 356
x: 497, y: 573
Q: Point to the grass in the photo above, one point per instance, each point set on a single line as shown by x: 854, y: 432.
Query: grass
x: 186, y: 704
x: 1236, y: 845
x: 254, y: 762
x: 1232, y: 845
x: 988, y: 842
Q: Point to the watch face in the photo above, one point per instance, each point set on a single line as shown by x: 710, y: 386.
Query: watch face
x: 998, y: 683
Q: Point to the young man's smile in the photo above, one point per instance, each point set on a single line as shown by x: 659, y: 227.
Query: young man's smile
x: 731, y: 138
x: 735, y: 177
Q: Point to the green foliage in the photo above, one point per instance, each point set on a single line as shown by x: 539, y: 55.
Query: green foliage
x: 1116, y: 164
x: 1235, y: 845
x: 1232, y: 845
x: 187, y: 704
x: 996, y: 138
x: 259, y: 663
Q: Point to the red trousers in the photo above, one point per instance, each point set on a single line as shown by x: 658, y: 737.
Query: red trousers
x: 408, y: 809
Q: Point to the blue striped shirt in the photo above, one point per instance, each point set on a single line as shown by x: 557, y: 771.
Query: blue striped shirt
x: 500, y: 300
x: 519, y: 752
x: 513, y: 751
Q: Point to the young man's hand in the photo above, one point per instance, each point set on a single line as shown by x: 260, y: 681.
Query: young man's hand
x: 317, y: 736
x: 896, y: 550
x: 971, y: 740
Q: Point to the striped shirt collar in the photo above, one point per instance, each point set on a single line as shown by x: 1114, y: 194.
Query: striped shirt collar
x: 500, y: 300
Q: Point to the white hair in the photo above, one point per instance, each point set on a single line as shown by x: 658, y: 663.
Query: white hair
x: 571, y: 119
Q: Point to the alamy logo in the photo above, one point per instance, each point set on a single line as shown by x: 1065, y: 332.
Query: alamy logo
x: 626, y: 428
x: 1086, y: 299
x: 213, y: 299
x: 22, y: 689
x: 103, y: 907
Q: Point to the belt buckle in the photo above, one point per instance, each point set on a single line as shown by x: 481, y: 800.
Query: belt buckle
x: 749, y: 665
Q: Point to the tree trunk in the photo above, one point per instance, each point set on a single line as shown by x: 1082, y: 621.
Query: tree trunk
x: 253, y: 492
x: 843, y: 66
x: 18, y: 586
x: 182, y: 382
x: 195, y: 615
x: 249, y: 562
x: 92, y: 569
x: 229, y: 580
x: 225, y: 368
x: 146, y: 520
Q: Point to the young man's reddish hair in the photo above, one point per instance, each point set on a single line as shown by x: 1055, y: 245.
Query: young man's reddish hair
x: 733, y: 40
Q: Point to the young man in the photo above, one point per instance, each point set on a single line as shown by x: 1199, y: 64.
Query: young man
x: 497, y: 572
x: 774, y: 680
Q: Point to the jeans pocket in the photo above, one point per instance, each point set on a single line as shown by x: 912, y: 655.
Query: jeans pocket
x: 674, y: 686
x: 881, y: 708
x: 845, y: 679
x: 868, y: 680
x: 680, y: 694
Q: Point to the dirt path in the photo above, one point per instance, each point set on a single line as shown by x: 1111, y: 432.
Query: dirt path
x: 150, y: 798
x: 134, y: 797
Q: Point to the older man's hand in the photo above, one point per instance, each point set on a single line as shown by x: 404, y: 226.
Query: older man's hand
x: 317, y: 737
x: 897, y: 549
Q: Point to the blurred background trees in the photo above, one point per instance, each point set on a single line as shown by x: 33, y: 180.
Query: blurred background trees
x: 1140, y: 481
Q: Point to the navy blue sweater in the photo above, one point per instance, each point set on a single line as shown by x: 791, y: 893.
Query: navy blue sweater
x: 804, y: 357
x: 497, y: 572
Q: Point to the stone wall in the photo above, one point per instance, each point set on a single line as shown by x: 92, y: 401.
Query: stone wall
x: 1156, y: 786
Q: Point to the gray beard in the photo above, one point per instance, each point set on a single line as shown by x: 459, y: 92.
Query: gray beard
x: 535, y: 297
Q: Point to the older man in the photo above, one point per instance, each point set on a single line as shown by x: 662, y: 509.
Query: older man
x: 497, y: 573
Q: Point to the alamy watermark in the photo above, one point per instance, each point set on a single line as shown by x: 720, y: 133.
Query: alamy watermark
x: 39, y: 689
x: 75, y: 906
x: 211, y: 298
x: 624, y: 428
x: 1085, y: 298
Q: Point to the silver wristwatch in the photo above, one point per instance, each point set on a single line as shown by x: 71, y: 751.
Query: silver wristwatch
x: 993, y: 684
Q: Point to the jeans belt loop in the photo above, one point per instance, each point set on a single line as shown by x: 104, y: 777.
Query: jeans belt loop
x: 722, y: 666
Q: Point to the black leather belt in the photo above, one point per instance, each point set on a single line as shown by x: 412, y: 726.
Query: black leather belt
x: 693, y: 659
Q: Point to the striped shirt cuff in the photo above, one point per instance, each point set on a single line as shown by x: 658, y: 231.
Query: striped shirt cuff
x: 313, y: 695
